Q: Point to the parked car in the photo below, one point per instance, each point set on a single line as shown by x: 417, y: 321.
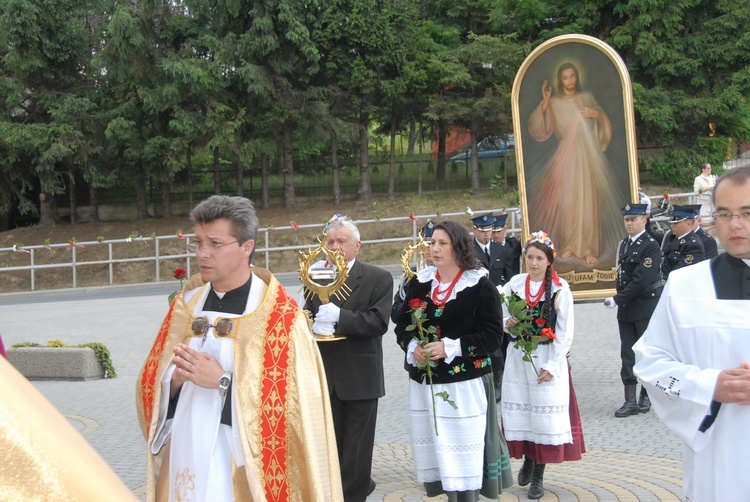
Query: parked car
x: 489, y: 147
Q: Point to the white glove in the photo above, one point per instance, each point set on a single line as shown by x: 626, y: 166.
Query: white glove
x: 323, y: 327
x: 328, y: 312
x: 610, y: 302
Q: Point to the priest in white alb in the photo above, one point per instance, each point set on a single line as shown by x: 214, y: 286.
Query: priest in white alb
x: 694, y: 358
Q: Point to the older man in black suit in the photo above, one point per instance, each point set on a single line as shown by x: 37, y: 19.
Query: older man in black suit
x: 354, y: 365
x: 638, y: 290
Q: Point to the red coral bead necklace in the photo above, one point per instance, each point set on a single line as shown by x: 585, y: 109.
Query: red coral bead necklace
x: 439, y: 298
x: 533, y: 300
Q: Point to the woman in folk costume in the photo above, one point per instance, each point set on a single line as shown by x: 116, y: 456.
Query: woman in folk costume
x: 456, y: 442
x: 540, y: 412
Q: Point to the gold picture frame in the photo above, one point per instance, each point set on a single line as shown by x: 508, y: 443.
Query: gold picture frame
x: 576, y: 155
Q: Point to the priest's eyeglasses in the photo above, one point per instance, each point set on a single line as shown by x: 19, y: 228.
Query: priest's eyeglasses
x: 222, y: 328
x: 726, y: 218
x: 211, y: 247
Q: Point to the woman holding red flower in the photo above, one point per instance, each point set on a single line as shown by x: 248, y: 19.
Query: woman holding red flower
x: 449, y: 325
x: 540, y: 412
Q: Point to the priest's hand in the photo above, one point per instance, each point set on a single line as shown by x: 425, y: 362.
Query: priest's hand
x: 733, y: 385
x: 197, y: 367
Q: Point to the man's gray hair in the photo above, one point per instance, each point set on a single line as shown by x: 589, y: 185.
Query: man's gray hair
x: 344, y: 221
x: 239, y: 211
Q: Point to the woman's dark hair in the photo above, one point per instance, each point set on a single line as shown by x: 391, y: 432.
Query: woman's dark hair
x: 461, y: 242
x: 547, y: 308
x: 563, y: 67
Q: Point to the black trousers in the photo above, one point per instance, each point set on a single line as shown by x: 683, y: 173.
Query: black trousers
x: 354, y: 423
x: 630, y: 332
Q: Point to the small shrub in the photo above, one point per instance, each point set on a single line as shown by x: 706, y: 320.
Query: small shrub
x: 55, y: 343
x: 25, y: 344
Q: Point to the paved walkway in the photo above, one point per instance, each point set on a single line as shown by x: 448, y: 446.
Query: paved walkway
x: 634, y: 458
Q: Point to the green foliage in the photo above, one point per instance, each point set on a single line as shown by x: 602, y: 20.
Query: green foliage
x: 25, y: 344
x: 526, y: 342
x: 102, y: 352
x: 55, y: 343
x: 497, y: 185
x: 121, y: 94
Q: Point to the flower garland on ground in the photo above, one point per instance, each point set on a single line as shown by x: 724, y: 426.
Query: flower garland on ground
x: 424, y: 336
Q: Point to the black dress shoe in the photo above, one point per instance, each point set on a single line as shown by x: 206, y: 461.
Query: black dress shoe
x: 371, y: 488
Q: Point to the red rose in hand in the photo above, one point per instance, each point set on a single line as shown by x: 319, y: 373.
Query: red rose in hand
x: 540, y: 321
x: 415, y: 303
x: 180, y: 273
x: 548, y: 333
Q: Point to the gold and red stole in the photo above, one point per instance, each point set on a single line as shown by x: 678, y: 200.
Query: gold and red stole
x: 274, y: 348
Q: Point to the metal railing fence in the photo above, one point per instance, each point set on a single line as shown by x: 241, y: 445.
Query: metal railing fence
x: 157, y: 252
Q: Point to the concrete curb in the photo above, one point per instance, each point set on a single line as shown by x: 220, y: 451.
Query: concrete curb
x: 56, y: 363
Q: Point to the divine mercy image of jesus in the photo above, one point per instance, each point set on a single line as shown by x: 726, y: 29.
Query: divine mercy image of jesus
x: 575, y: 197
x: 576, y: 155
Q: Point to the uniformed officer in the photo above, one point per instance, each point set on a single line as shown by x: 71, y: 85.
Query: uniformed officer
x: 510, y: 244
x: 638, y: 289
x: 489, y: 254
x: 681, y: 247
x: 709, y: 243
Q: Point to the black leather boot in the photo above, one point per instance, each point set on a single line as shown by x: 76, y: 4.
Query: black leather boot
x: 536, y: 490
x: 524, y: 475
x: 630, y: 407
x: 644, y: 403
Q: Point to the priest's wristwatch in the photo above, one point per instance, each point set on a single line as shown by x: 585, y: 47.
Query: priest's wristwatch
x: 224, y: 382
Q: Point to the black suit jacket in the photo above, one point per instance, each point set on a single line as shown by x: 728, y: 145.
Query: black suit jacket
x: 638, y: 278
x: 496, y: 263
x: 354, y: 366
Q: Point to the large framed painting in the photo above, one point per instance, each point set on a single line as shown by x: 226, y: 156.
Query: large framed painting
x: 576, y: 155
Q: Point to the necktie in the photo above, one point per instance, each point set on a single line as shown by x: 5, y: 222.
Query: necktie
x: 487, y: 252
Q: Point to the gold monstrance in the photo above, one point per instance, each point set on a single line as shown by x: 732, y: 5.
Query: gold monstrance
x: 408, y: 254
x: 335, y: 277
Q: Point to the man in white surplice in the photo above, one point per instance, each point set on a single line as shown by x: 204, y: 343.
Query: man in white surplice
x: 696, y: 365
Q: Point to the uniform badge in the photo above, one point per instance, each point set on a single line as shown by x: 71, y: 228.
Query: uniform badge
x: 689, y: 259
x: 648, y: 262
